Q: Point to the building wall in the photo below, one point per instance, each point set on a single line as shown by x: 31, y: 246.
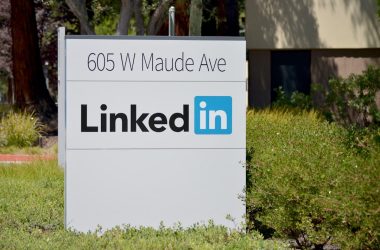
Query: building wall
x: 331, y: 63
x: 259, y: 78
x: 312, y: 24
x: 325, y: 64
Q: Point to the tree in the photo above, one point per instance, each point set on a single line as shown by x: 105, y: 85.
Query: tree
x: 195, y: 25
x: 126, y: 12
x: 29, y: 81
x: 79, y: 9
x: 157, y: 19
x: 209, y: 27
x: 128, y: 9
x: 232, y: 17
x: 140, y: 30
x: 228, y: 18
x: 5, y: 50
x: 221, y: 17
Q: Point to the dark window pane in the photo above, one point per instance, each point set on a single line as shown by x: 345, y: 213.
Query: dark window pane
x: 291, y: 71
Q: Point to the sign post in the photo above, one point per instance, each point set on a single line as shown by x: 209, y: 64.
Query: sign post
x: 61, y: 97
x: 155, y: 131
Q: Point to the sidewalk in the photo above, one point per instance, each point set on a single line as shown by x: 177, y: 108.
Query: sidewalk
x: 23, y: 158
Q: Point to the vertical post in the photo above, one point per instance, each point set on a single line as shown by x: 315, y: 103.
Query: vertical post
x: 46, y: 74
x: 172, y: 21
x: 61, y: 97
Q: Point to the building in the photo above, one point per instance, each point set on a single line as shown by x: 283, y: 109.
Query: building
x: 293, y: 43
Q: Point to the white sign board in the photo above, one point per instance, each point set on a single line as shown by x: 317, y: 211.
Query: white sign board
x: 155, y: 131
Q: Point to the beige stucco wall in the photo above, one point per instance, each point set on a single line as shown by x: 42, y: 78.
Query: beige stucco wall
x: 326, y: 64
x: 312, y: 24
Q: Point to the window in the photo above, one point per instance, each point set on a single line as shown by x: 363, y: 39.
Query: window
x: 291, y: 70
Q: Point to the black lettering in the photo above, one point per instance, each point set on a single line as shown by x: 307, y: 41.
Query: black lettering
x: 212, y: 68
x: 124, y: 122
x: 220, y: 63
x: 103, y: 119
x: 83, y: 117
x: 103, y: 122
x: 160, y: 64
x: 144, y: 61
x: 191, y: 63
x: 139, y: 121
x: 203, y: 63
x: 184, y: 117
x: 181, y: 60
x: 127, y: 60
x: 161, y: 120
x: 166, y: 65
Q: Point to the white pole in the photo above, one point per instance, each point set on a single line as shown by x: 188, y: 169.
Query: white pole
x: 61, y: 97
x: 172, y: 21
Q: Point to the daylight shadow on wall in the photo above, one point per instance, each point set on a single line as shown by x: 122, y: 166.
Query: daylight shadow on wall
x: 291, y: 24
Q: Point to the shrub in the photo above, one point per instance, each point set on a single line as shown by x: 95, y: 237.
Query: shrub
x: 305, y: 183
x: 20, y: 129
x: 352, y: 101
x: 294, y: 100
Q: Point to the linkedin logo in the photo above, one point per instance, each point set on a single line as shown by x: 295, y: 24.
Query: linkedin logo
x: 213, y: 115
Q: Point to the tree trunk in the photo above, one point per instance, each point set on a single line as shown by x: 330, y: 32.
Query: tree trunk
x: 126, y: 11
x: 78, y: 7
x: 209, y: 18
x: 195, y: 24
x: 232, y: 16
x: 158, y: 16
x: 139, y: 18
x: 221, y: 18
x: 29, y: 81
x: 10, y: 94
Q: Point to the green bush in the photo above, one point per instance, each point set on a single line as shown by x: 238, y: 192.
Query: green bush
x: 296, y: 100
x: 19, y: 129
x: 352, y: 101
x: 305, y: 183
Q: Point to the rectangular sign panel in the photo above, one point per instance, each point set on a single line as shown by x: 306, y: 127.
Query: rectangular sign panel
x: 155, y: 131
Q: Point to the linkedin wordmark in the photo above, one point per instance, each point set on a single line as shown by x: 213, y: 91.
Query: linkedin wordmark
x: 156, y: 121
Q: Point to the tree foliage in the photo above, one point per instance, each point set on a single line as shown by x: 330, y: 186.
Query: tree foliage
x: 123, y: 17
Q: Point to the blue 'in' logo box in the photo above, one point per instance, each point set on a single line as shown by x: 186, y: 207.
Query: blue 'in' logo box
x: 213, y: 115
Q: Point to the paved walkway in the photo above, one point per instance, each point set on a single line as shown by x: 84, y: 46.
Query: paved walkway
x: 21, y: 158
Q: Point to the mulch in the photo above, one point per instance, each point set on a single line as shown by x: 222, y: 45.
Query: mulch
x: 23, y: 158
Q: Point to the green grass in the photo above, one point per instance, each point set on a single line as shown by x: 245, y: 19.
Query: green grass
x: 53, y: 150
x: 32, y: 211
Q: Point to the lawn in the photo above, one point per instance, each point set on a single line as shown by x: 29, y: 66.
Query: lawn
x: 32, y: 211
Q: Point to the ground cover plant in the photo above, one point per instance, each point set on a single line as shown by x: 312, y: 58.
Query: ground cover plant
x: 19, y: 129
x: 31, y: 217
x: 305, y: 182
